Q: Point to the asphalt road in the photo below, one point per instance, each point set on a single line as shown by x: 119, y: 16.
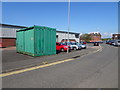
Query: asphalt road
x: 98, y: 70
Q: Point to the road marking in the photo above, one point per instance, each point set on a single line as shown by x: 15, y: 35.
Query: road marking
x: 33, y: 68
x: 99, y: 50
x: 41, y: 66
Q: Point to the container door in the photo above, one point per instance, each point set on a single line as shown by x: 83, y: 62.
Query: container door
x: 45, y: 41
x: 39, y: 41
x: 49, y: 41
x: 20, y: 41
x: 29, y: 41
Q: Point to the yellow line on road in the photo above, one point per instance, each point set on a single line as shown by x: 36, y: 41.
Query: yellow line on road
x: 33, y: 68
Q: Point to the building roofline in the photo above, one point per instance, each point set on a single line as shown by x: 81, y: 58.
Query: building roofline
x: 13, y: 25
x: 27, y: 27
x: 67, y: 32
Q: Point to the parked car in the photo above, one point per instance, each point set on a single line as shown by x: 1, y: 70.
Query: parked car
x: 110, y: 42
x: 61, y: 47
x: 73, y: 45
x: 82, y: 42
x: 83, y: 46
x: 116, y: 43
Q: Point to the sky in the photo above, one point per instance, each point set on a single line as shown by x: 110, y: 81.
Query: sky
x: 85, y: 17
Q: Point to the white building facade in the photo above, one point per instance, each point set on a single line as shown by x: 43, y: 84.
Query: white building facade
x: 62, y: 36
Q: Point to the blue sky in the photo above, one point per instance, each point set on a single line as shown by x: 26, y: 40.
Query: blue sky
x: 85, y: 17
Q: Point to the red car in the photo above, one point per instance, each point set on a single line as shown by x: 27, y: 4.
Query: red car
x: 61, y: 47
x: 84, y: 42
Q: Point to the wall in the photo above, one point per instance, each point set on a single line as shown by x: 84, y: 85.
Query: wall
x: 62, y: 36
x: 8, y: 36
x: 96, y: 39
x: 9, y: 32
x: 7, y: 42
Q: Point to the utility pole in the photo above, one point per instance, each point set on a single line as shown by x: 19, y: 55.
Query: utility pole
x: 68, y: 23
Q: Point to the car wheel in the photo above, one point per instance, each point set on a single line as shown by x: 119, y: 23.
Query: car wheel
x: 79, y: 48
x: 62, y: 49
x: 74, y: 48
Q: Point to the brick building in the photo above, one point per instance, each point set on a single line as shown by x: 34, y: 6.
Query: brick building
x: 116, y: 36
x: 95, y: 36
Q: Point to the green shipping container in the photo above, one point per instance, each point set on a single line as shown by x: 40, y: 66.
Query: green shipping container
x: 36, y: 41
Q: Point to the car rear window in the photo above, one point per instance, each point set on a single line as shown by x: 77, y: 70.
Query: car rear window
x: 62, y: 43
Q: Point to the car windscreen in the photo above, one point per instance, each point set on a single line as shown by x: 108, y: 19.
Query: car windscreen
x: 68, y: 43
x: 73, y: 43
x: 79, y: 44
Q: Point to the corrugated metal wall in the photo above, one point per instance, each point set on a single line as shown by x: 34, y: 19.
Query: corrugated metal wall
x: 9, y: 32
x: 36, y: 41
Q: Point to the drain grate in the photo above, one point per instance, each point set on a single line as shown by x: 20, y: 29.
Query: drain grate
x: 75, y: 56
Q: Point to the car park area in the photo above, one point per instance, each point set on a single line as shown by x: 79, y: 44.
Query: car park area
x: 113, y: 42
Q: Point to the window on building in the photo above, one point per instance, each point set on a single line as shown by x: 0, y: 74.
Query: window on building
x: 76, y: 35
x: 56, y: 36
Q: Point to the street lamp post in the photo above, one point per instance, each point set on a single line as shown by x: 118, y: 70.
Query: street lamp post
x: 68, y: 23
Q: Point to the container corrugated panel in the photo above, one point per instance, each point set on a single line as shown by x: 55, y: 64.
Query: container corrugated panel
x: 20, y: 41
x: 45, y: 41
x: 37, y: 41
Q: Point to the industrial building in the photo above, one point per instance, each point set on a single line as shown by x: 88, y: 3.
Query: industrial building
x: 115, y: 36
x: 8, y: 35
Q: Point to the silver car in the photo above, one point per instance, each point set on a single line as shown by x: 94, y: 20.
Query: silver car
x: 116, y: 43
x: 83, y: 46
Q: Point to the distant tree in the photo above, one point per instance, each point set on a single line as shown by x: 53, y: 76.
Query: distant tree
x: 104, y: 39
x: 86, y: 37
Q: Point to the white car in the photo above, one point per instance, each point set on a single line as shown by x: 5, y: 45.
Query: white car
x: 74, y: 45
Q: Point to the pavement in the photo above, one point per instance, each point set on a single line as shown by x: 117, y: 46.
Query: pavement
x: 95, y: 70
x: 12, y: 61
